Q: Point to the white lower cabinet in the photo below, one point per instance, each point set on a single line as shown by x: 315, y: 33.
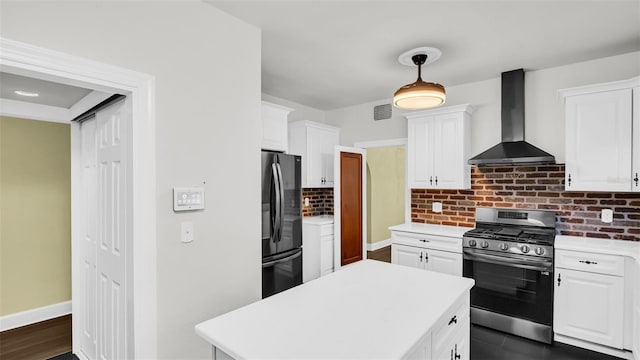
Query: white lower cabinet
x: 589, y: 297
x: 317, y: 247
x: 427, y: 251
x: 450, y: 337
x: 589, y: 307
x: 427, y: 259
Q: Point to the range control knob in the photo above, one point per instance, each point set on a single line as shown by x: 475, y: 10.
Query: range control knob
x: 525, y: 249
x: 484, y: 244
x: 539, y: 251
x: 504, y: 246
x: 472, y: 242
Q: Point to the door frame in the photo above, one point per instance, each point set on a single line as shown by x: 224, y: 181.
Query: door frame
x: 41, y: 63
x: 337, y: 235
x: 393, y: 143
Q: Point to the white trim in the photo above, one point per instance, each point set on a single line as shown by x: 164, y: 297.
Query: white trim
x: 593, y: 347
x: 28, y: 60
x: 595, y: 88
x: 378, y: 245
x: 381, y: 143
x: 440, y: 111
x: 337, y: 238
x: 33, y: 316
x: 31, y: 111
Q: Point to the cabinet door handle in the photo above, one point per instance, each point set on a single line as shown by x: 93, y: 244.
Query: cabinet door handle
x: 451, y: 357
x: 569, y: 181
x: 420, y: 256
x: 454, y: 320
x: 635, y: 179
x: 430, y: 180
x: 559, y: 280
x: 588, y: 262
x: 426, y: 257
x: 436, y: 181
x: 424, y: 240
x: 456, y: 350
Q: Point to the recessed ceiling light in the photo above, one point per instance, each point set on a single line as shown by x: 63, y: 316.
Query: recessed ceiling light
x: 26, y: 93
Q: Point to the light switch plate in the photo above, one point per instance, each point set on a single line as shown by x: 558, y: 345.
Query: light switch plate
x: 607, y: 216
x: 188, y: 198
x: 186, y: 231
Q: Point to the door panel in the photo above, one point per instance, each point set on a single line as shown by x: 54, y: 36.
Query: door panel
x: 573, y: 316
x: 407, y: 256
x: 351, y: 207
x: 112, y: 222
x: 291, y: 232
x: 87, y: 307
x: 268, y: 203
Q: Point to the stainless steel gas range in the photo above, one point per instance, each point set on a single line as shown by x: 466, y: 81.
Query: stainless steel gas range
x: 510, y: 256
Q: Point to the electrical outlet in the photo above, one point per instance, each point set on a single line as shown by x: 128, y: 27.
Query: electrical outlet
x: 436, y: 207
x: 607, y: 216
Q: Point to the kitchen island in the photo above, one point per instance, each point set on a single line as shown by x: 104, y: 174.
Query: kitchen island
x: 367, y: 310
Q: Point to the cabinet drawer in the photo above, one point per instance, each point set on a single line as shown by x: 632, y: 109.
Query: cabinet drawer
x: 590, y: 262
x: 326, y: 229
x: 427, y: 241
x: 450, y: 323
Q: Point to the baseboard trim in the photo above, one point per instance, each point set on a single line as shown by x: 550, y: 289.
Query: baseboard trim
x: 33, y: 316
x: 378, y: 245
x: 593, y: 347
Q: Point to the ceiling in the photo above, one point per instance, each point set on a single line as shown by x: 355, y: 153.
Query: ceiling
x: 49, y: 93
x: 333, y: 54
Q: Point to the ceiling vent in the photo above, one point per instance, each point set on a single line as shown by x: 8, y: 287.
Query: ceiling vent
x: 382, y: 112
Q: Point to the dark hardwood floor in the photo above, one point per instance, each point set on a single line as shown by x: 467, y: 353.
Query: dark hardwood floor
x: 37, y: 341
x: 383, y: 254
x: 488, y: 344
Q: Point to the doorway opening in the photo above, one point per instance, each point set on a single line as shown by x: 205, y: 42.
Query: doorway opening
x: 388, y: 199
x: 44, y: 64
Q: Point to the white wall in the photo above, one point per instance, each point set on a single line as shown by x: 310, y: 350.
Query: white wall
x: 207, y: 69
x: 544, y: 110
x: 300, y: 112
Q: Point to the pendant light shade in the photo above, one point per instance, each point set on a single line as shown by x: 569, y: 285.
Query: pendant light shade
x: 420, y: 94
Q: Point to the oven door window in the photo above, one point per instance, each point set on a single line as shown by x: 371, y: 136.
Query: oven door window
x: 510, y: 290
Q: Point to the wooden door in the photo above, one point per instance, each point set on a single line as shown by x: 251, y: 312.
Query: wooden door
x: 350, y: 207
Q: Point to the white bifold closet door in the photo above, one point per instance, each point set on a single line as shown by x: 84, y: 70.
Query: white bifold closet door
x: 104, y: 250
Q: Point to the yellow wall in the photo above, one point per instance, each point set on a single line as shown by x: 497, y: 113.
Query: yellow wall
x: 35, y: 214
x: 385, y: 191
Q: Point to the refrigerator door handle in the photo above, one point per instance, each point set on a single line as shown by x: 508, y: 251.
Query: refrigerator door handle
x: 284, y: 259
x: 281, y: 200
x: 275, y: 227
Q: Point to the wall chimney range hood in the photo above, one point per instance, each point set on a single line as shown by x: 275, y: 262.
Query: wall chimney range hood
x: 513, y: 150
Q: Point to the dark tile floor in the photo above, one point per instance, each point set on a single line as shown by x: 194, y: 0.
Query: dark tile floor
x: 488, y: 344
x: 65, y: 356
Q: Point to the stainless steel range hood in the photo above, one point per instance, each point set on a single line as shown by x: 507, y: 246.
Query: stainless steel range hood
x: 513, y: 150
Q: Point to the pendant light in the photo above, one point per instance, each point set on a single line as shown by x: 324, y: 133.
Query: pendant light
x: 420, y: 94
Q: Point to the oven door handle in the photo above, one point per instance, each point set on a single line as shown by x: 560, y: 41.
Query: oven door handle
x: 504, y: 260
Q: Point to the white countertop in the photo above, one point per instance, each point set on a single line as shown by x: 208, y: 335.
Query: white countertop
x: 599, y: 246
x: 366, y: 310
x: 432, y: 229
x: 319, y: 220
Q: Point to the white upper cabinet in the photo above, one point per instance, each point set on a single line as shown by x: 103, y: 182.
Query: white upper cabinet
x: 315, y: 142
x: 439, y: 147
x: 602, y: 137
x: 274, y: 127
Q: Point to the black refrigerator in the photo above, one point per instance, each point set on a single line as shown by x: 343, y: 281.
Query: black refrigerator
x: 281, y: 222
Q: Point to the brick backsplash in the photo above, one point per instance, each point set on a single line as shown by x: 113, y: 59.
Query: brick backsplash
x: 320, y: 201
x: 532, y: 187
